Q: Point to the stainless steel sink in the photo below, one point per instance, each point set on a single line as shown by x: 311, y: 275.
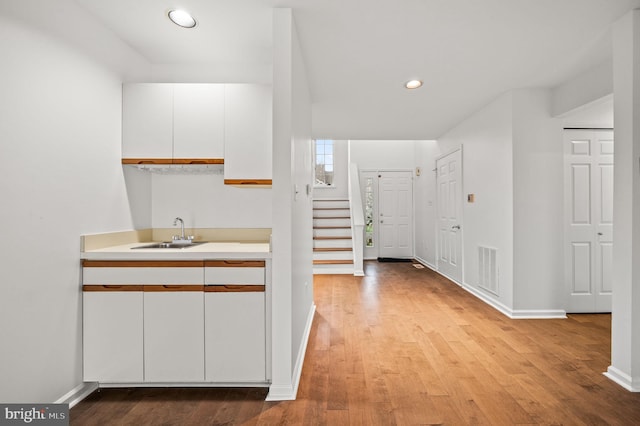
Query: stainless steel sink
x: 169, y: 245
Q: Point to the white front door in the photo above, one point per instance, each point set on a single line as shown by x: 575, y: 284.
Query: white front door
x: 589, y: 219
x: 395, y: 208
x: 449, y: 183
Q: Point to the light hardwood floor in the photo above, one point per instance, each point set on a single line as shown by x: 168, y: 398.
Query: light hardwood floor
x: 405, y: 346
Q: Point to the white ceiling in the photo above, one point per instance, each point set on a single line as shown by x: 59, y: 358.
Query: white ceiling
x: 359, y: 52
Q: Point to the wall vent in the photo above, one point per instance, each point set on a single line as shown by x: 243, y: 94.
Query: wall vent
x: 488, y: 269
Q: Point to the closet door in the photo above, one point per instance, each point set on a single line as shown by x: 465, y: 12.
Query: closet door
x: 588, y: 219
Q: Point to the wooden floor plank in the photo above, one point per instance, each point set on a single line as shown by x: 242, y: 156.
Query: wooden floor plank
x: 404, y: 346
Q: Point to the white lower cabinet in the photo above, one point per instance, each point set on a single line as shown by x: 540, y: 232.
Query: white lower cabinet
x: 112, y: 334
x: 235, y: 336
x: 173, y: 334
x: 139, y: 328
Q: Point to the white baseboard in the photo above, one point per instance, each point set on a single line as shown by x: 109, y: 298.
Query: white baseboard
x: 538, y: 314
x: 427, y: 264
x: 78, y: 393
x: 281, y: 393
x: 504, y: 309
x: 516, y: 313
x: 184, y: 385
x: 623, y: 379
x: 286, y: 392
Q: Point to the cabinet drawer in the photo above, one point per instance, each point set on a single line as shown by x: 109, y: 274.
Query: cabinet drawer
x: 137, y: 276
x: 234, y: 275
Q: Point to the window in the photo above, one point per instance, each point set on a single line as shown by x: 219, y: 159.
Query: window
x: 324, y: 162
x: 368, y: 212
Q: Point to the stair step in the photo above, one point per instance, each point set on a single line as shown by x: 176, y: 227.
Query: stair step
x: 331, y: 204
x: 332, y: 232
x: 333, y: 249
x: 332, y: 217
x: 331, y: 227
x: 346, y: 269
x: 333, y: 262
x: 333, y: 237
x: 331, y: 208
x: 333, y: 255
x: 332, y: 222
x: 333, y: 243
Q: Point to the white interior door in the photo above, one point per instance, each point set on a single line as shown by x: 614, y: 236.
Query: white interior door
x: 449, y: 183
x: 589, y: 219
x: 395, y: 207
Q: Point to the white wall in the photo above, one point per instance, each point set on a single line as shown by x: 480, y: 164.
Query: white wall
x: 426, y: 153
x: 487, y: 155
x: 60, y: 130
x: 292, y: 255
x: 588, y: 87
x: 625, y: 318
x: 597, y: 114
x: 211, y: 73
x: 339, y: 190
x: 382, y: 154
x: 204, y: 201
x: 512, y: 162
x: 538, y: 202
x: 302, y: 227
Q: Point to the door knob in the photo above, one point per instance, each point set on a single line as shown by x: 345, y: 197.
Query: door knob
x: 455, y: 227
x: 600, y: 233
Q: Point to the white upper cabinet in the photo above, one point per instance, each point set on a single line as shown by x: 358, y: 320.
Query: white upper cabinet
x: 147, y: 121
x: 173, y: 122
x: 248, y: 134
x: 198, y: 115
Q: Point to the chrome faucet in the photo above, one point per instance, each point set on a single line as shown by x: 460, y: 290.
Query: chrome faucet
x: 175, y: 222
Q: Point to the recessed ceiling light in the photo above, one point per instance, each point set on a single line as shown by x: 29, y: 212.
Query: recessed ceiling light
x: 413, y: 84
x: 181, y: 18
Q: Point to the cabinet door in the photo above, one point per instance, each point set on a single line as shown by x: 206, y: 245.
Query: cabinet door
x: 173, y: 331
x: 235, y: 345
x: 198, y: 114
x: 112, y: 335
x: 248, y: 135
x: 147, y: 121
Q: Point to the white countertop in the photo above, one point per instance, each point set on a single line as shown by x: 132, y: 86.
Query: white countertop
x: 206, y: 251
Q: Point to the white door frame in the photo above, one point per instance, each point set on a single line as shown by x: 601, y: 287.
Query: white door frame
x: 373, y: 252
x: 461, y: 215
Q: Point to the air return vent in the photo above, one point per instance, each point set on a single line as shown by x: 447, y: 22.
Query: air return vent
x: 487, y: 269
